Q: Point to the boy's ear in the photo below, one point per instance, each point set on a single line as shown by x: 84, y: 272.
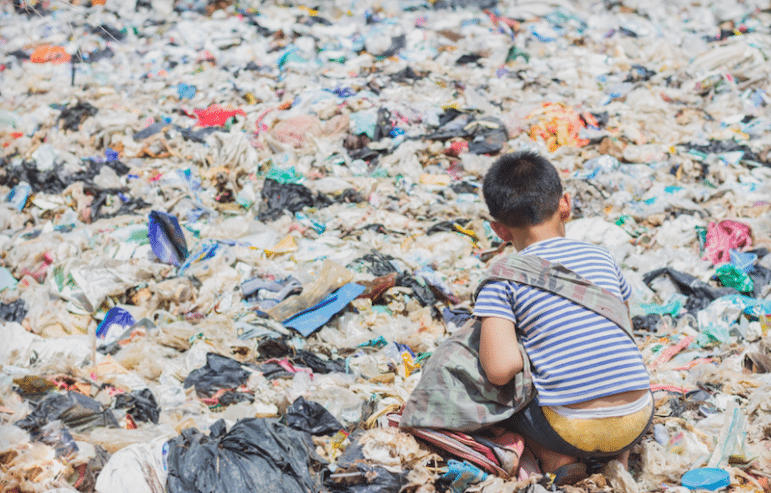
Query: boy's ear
x: 565, y: 207
x: 501, y: 230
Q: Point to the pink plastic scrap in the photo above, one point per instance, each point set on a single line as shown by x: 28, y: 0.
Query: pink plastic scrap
x: 216, y: 116
x: 724, y: 236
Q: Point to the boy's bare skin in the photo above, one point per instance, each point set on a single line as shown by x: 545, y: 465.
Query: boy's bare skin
x: 498, y: 348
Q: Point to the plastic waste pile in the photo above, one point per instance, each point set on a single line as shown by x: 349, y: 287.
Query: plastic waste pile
x: 232, y: 231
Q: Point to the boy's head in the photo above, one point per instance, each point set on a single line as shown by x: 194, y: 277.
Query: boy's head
x: 522, y: 189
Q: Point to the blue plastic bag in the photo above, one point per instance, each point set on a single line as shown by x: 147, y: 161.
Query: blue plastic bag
x: 116, y: 316
x: 166, y: 238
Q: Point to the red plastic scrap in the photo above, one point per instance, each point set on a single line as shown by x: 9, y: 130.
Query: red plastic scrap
x: 215, y: 115
x: 457, y: 148
x: 288, y: 366
x: 671, y: 351
x: 723, y: 237
x: 495, y: 19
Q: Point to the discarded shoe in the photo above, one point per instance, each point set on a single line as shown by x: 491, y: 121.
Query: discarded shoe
x: 570, y: 474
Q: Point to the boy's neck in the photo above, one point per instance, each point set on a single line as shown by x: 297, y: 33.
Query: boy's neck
x: 525, y: 236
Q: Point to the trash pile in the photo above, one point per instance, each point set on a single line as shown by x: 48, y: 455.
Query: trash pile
x: 232, y: 231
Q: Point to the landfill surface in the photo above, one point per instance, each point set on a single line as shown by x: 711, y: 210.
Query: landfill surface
x: 232, y: 232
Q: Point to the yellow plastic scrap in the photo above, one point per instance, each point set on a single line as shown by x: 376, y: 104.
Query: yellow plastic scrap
x: 468, y: 232
x: 311, y: 12
x: 286, y: 245
x: 558, y: 125
x: 409, y: 365
x: 429, y: 179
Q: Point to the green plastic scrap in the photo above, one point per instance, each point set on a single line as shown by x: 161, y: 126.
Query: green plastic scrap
x: 560, y: 18
x: 7, y: 281
x: 284, y: 176
x: 733, y: 277
x: 422, y: 357
x: 672, y: 308
x: 629, y: 225
x: 378, y: 342
x: 712, y: 334
x: 379, y: 173
x: 701, y: 234
x: 363, y: 122
x: 515, y: 53
x: 136, y: 233
x: 697, y: 155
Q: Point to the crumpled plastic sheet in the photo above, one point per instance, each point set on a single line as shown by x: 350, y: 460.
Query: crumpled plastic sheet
x: 346, y: 143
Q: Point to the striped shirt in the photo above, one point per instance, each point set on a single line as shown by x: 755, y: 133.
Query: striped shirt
x: 577, y: 355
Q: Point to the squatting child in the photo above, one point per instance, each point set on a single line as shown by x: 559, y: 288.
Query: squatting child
x: 593, y: 390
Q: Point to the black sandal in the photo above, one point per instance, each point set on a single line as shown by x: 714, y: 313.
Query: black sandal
x: 570, y: 474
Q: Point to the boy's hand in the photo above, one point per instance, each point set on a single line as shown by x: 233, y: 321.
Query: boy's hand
x: 499, y: 351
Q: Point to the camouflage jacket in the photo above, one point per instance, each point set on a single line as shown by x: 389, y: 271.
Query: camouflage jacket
x: 454, y: 394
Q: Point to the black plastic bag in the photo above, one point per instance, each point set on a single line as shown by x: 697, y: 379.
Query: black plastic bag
x: 84, y: 476
x: 14, y: 311
x: 278, y: 197
x: 646, y: 322
x: 257, y: 454
x: 354, y: 475
x: 465, y: 4
x: 383, y: 124
x: 468, y: 58
x: 311, y: 417
x: 422, y: 292
x: 456, y: 317
x: 56, y: 179
x: 380, y: 265
x: 77, y: 411
x: 488, y: 136
x: 699, y: 293
x: 73, y: 116
x: 407, y: 75
x: 376, y: 263
x: 220, y: 372
x: 141, y: 405
x: 319, y: 365
x: 761, y: 277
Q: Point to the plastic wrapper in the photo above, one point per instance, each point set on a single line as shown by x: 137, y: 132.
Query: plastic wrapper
x: 138, y: 468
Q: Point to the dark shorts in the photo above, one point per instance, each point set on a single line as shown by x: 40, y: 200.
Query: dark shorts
x: 533, y: 424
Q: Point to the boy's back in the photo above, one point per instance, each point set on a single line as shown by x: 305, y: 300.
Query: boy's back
x: 577, y: 354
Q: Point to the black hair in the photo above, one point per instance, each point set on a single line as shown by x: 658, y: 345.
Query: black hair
x: 522, y: 189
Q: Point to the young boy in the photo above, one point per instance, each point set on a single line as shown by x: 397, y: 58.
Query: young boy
x: 593, y: 397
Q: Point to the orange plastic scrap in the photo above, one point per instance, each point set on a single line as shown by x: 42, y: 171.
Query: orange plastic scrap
x: 50, y: 54
x: 558, y: 125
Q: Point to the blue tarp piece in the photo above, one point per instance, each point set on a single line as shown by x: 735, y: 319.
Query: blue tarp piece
x: 307, y: 321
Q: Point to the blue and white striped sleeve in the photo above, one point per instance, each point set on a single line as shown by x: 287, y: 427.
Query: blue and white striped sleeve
x: 496, y: 299
x: 623, y: 284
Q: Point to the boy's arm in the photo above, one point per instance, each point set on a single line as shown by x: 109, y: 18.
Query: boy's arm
x: 499, y: 350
